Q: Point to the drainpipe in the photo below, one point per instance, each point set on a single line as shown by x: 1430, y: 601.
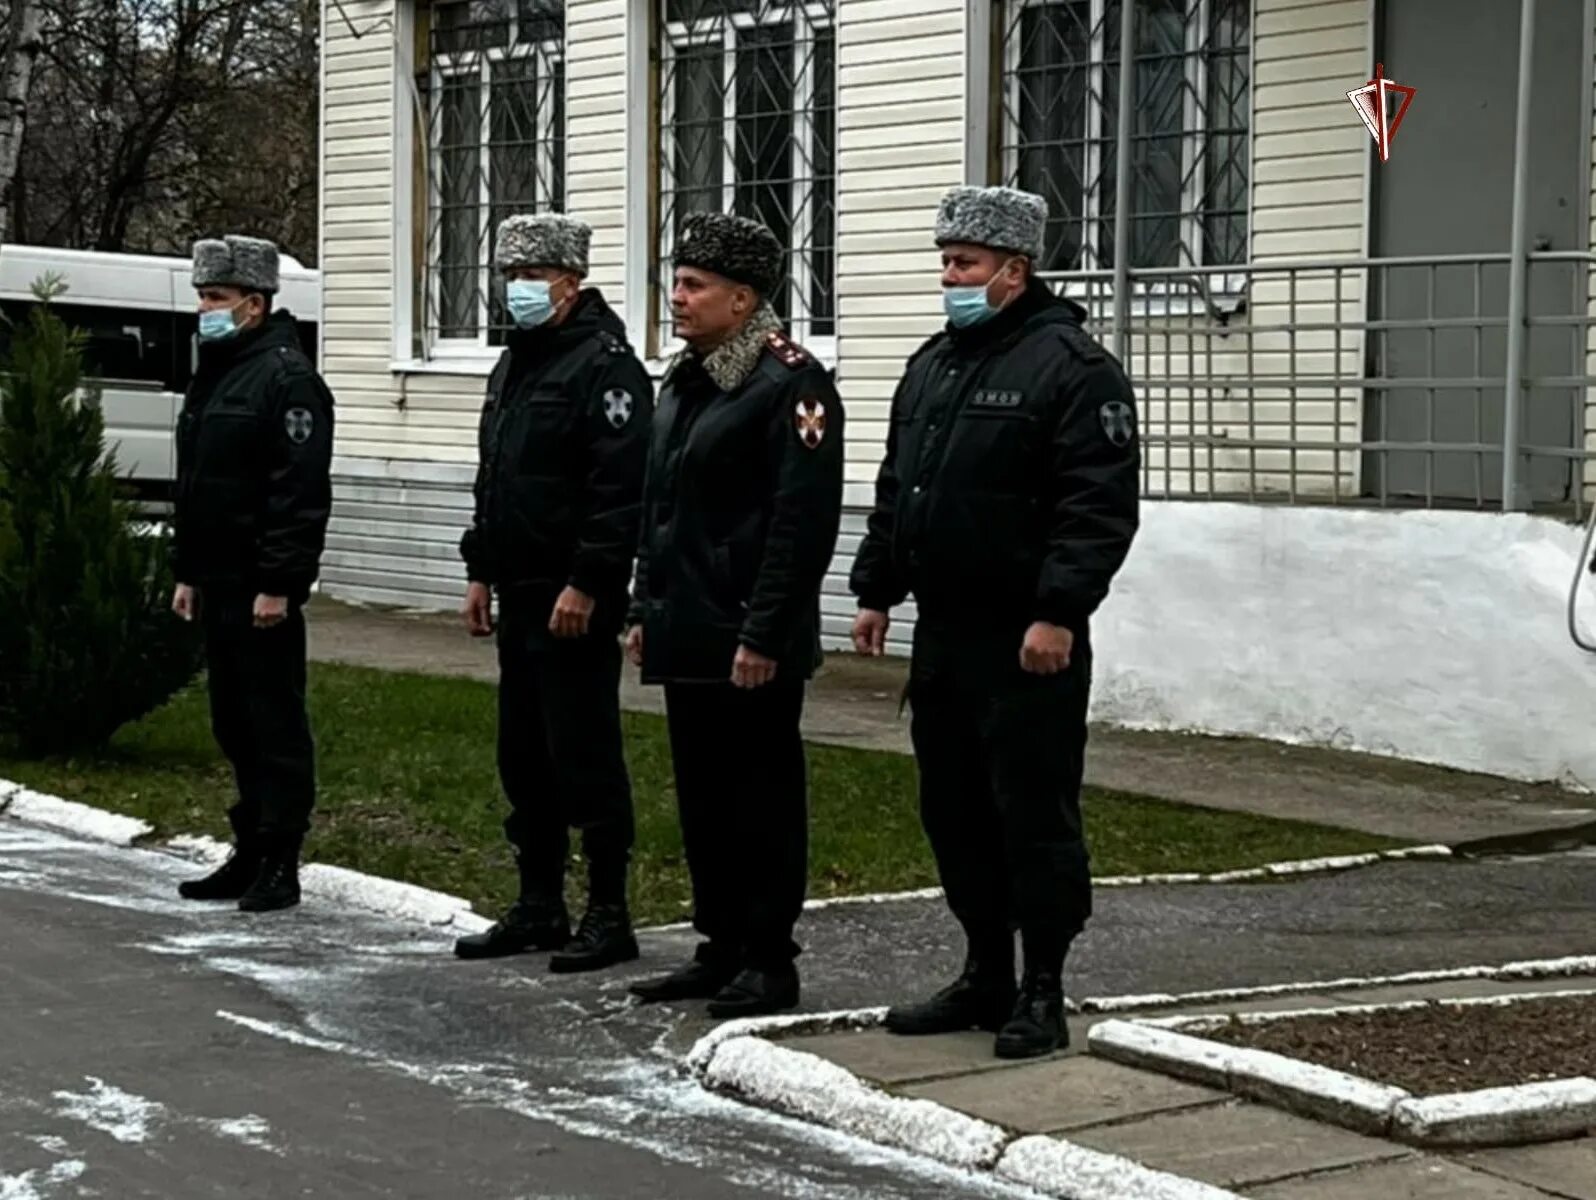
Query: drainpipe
x: 1122, y: 181
x: 1514, y: 494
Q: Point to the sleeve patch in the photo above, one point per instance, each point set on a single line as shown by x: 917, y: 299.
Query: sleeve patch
x: 1119, y: 422
x: 298, y: 424
x: 618, y: 406
x: 809, y: 419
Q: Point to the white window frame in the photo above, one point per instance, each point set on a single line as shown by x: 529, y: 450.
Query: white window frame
x: 1225, y: 287
x: 548, y: 56
x: 454, y: 355
x: 807, y: 19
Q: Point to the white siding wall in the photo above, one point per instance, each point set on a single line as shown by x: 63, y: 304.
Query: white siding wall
x: 900, y: 145
x: 595, y: 131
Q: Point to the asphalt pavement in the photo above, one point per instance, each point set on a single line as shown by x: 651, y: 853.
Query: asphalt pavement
x: 155, y: 1048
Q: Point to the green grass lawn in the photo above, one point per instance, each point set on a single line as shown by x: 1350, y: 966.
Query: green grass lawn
x: 409, y: 790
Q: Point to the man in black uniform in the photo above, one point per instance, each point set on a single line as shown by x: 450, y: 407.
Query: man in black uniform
x: 254, y: 490
x: 563, y: 443
x: 740, y: 516
x: 1006, y: 503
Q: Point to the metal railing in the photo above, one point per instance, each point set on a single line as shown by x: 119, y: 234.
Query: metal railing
x: 1379, y: 382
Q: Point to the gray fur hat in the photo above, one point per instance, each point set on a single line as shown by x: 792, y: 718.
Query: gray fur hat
x: 543, y: 240
x: 242, y: 262
x: 734, y: 247
x: 1001, y: 218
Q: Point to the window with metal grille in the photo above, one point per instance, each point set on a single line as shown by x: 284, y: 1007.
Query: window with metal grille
x: 748, y: 117
x: 494, y: 96
x: 1059, y: 115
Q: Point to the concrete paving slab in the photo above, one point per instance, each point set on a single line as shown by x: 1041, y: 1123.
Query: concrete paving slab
x: 1463, y: 989
x: 1425, y: 1178
x: 1056, y: 1097
x: 885, y: 1058
x: 1566, y: 1169
x: 1237, y: 1145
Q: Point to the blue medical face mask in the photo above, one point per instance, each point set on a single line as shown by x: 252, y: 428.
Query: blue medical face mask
x: 217, y: 323
x: 966, y: 306
x: 530, y: 302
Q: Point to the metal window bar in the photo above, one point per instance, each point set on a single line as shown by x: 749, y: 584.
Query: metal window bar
x: 1361, y: 382
x: 1058, y: 107
x: 494, y: 97
x: 747, y: 105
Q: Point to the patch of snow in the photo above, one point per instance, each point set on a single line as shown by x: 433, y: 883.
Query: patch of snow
x: 789, y: 1023
x: 390, y: 897
x: 1060, y: 1168
x: 250, y: 1130
x: 80, y: 820
x: 202, y: 849
x: 109, y: 1109
x: 28, y: 1185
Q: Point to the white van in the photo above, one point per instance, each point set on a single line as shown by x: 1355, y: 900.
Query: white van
x: 138, y: 316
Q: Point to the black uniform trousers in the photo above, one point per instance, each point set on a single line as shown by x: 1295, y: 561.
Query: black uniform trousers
x: 560, y: 751
x: 256, y: 681
x: 1000, y: 753
x: 742, y: 796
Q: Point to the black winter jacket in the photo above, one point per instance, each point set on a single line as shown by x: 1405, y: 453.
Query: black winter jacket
x: 1009, y: 490
x: 740, y: 515
x: 254, y: 462
x: 562, y: 443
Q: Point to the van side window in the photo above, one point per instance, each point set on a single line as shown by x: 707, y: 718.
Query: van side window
x: 124, y: 344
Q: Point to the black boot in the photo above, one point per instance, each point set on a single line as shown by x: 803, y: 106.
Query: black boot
x: 528, y: 925
x: 603, y: 939
x: 277, y: 884
x: 229, y: 881
x: 980, y: 998
x: 710, y: 971
x: 757, y: 991
x: 1036, y: 1027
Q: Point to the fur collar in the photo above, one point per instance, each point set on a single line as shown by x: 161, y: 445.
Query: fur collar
x: 734, y: 360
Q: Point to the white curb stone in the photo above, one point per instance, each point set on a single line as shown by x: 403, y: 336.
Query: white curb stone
x: 807, y: 1086
x: 1545, y: 968
x: 387, y: 896
x: 1315, y: 1091
x: 81, y: 820
x: 1059, y: 1168
x: 1532, y: 1112
x: 1164, y: 1050
x: 698, y: 1058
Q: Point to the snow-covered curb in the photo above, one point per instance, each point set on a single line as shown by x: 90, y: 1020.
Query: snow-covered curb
x: 1542, y: 968
x: 1485, y: 1117
x: 1058, y: 1168
x: 373, y: 893
x: 68, y: 816
x: 807, y: 1086
x: 1277, y: 870
x: 786, y: 1078
x: 811, y: 1088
